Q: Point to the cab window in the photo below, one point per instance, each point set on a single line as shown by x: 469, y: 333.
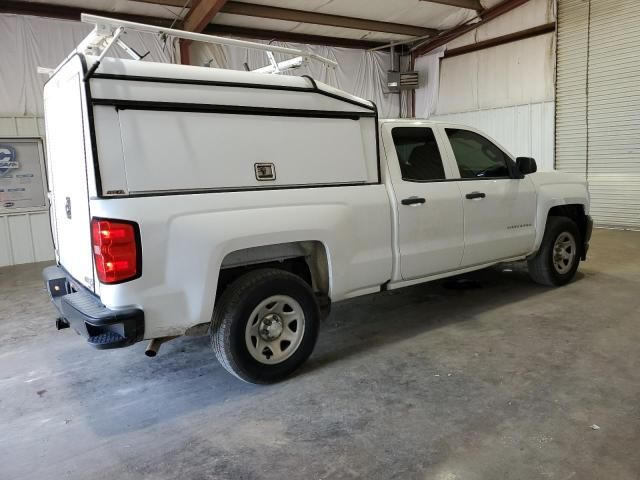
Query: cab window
x: 476, y: 156
x: 418, y: 154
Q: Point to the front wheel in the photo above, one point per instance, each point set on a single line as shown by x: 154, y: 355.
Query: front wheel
x: 265, y: 325
x: 557, y: 261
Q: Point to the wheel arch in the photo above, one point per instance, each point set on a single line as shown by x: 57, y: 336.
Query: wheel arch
x: 575, y: 211
x: 308, y: 259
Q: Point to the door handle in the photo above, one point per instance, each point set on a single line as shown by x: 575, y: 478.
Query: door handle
x: 475, y: 195
x: 413, y: 201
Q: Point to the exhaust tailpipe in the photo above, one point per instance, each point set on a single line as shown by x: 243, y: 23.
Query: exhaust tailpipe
x: 154, y: 345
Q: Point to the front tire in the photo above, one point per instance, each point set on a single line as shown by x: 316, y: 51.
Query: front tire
x: 557, y: 261
x: 265, y: 325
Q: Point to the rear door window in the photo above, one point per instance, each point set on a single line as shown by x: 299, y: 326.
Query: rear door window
x: 418, y: 154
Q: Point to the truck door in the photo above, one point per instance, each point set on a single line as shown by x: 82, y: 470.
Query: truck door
x: 499, y: 211
x: 429, y: 207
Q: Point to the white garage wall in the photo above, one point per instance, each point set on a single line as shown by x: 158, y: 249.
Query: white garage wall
x: 25, y: 237
x: 506, y: 90
x: 524, y: 130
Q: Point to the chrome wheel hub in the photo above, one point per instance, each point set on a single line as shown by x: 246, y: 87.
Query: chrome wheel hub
x: 275, y: 329
x: 270, y: 327
x: 564, y: 253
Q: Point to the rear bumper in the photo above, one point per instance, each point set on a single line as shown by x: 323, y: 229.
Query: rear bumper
x: 102, y: 327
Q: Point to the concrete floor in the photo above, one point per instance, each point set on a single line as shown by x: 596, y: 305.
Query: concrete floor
x: 502, y: 381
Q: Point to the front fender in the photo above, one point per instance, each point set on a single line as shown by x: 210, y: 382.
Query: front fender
x: 555, y: 194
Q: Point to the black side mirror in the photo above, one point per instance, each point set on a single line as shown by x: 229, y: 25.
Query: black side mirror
x: 526, y: 165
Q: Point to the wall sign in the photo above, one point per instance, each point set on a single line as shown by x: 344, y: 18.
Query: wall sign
x: 21, y: 174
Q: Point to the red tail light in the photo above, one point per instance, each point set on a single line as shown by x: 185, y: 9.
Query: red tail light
x: 116, y: 250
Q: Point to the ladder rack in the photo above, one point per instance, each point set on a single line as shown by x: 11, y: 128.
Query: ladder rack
x: 108, y: 31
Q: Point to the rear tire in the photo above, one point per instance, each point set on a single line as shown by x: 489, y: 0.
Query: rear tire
x: 557, y: 261
x: 265, y: 325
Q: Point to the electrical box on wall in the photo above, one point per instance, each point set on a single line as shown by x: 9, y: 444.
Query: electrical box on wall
x: 397, y: 81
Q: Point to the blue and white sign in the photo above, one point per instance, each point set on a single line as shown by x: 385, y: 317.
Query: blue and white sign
x: 21, y: 171
x: 8, y: 159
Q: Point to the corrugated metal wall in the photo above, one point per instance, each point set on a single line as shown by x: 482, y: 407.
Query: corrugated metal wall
x: 524, y: 130
x: 571, y: 86
x: 24, y: 237
x: 614, y: 112
x: 598, y: 104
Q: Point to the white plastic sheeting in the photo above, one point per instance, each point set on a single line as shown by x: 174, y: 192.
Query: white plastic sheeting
x: 428, y: 68
x: 30, y: 42
x: 359, y: 72
x: 511, y: 74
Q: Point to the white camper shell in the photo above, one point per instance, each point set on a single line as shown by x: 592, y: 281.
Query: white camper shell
x: 155, y: 129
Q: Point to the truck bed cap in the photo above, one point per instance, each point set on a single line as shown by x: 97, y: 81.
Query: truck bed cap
x: 167, y: 72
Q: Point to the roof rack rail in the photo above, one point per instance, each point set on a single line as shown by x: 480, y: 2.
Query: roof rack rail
x: 108, y: 31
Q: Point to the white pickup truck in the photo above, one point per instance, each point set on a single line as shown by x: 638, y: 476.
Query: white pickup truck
x: 187, y: 200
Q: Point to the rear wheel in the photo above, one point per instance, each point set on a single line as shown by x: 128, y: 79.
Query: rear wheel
x: 557, y: 261
x: 265, y: 325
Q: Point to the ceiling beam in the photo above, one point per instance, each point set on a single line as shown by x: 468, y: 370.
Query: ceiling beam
x: 315, y: 18
x: 170, y: 3
x: 486, y: 16
x: 502, y: 40
x: 217, y: 29
x: 201, y: 14
x: 73, y: 13
x: 470, y: 4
